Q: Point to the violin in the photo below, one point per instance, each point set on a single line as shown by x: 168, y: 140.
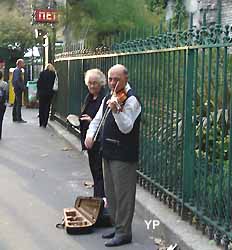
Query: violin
x: 120, y: 98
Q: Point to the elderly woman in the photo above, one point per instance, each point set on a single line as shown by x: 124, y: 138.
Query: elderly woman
x: 45, y: 91
x: 95, y: 81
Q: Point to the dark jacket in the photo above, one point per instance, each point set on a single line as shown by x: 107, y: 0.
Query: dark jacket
x: 45, y: 83
x: 18, y: 82
x: 90, y: 108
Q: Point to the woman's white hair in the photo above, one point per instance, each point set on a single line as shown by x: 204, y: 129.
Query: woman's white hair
x: 100, y: 77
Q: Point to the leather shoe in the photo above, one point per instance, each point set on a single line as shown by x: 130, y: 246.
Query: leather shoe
x: 118, y: 241
x: 108, y: 235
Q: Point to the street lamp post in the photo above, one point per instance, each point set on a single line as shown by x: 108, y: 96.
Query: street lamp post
x: 53, y: 43
x: 53, y: 5
x: 45, y: 50
x: 48, y: 16
x: 32, y: 63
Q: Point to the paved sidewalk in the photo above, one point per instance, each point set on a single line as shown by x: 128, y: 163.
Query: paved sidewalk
x: 172, y: 229
x: 40, y: 174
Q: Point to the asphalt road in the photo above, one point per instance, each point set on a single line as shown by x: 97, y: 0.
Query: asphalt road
x: 40, y: 174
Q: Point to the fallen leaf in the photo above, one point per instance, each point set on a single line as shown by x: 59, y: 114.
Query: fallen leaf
x: 44, y: 155
x: 66, y: 149
x: 158, y: 241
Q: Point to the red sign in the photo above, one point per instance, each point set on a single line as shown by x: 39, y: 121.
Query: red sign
x: 45, y: 16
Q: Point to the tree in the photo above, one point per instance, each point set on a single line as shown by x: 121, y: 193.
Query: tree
x: 157, y: 4
x: 97, y: 19
x: 15, y: 29
x: 180, y: 16
x: 8, y: 2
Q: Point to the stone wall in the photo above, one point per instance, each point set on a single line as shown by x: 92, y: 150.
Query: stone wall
x: 211, y: 6
x: 227, y: 12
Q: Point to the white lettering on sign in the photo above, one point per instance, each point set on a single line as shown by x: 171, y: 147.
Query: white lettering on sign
x: 43, y: 16
x: 49, y: 16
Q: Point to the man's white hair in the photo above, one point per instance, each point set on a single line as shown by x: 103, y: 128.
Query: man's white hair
x: 19, y: 61
x: 119, y: 66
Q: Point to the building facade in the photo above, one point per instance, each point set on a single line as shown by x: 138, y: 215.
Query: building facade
x: 211, y: 7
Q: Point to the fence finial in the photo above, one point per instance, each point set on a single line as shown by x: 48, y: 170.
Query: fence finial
x: 204, y: 18
x: 169, y: 26
x: 219, y: 11
x: 179, y: 23
x: 191, y: 20
x: 161, y: 27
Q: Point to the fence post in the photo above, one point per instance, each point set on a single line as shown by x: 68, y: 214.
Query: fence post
x: 187, y: 188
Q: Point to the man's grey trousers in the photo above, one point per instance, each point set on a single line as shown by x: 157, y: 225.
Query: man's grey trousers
x: 120, y: 188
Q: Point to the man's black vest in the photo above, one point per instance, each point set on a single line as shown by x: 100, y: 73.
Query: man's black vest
x: 115, y: 144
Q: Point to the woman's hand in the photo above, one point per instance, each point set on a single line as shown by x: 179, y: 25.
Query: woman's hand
x: 85, y: 117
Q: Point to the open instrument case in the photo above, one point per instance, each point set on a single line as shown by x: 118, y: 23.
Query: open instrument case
x: 83, y: 216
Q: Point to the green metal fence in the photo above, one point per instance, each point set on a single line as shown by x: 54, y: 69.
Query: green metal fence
x: 184, y: 80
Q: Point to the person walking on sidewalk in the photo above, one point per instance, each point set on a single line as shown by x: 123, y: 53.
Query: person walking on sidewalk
x: 120, y: 148
x: 95, y: 81
x: 19, y: 87
x: 3, y: 100
x: 45, y: 85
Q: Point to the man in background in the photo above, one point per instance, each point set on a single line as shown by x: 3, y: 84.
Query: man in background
x: 19, y: 87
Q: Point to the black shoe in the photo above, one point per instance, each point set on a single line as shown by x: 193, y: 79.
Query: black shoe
x: 118, y: 241
x: 108, y: 235
x: 22, y: 121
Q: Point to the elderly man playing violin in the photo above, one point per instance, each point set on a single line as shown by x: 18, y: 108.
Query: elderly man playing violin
x: 120, y: 149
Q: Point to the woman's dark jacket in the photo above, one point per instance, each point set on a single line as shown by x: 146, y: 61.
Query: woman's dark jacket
x: 90, y: 108
x: 45, y: 83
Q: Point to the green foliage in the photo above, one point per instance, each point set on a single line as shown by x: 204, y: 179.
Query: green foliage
x: 212, y: 169
x: 202, y: 137
x: 97, y: 19
x: 180, y: 16
x: 157, y: 5
x: 179, y: 12
x: 15, y: 29
x: 9, y: 3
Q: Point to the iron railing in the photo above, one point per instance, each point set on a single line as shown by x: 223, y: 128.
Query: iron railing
x: 184, y: 82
